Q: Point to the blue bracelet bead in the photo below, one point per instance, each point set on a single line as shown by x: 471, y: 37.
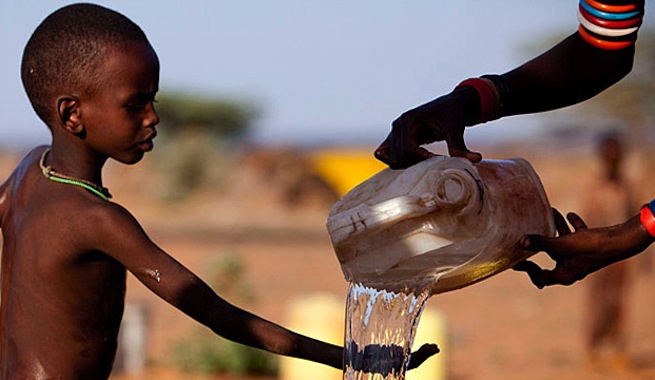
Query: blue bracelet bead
x: 608, y: 15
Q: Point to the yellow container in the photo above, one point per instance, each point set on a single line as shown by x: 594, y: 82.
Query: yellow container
x: 321, y: 316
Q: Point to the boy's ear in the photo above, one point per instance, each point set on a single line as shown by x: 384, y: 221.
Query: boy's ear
x: 68, y: 111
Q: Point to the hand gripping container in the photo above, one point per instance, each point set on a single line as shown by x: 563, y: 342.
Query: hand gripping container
x: 445, y: 221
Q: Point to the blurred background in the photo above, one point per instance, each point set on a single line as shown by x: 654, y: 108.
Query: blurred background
x: 270, y: 112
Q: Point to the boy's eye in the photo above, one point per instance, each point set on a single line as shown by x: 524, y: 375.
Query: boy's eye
x: 136, y: 106
x: 139, y: 104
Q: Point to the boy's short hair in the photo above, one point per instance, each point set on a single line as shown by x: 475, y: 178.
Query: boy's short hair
x: 66, y: 49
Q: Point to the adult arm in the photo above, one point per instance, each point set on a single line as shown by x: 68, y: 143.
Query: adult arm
x: 569, y: 73
x: 584, y: 251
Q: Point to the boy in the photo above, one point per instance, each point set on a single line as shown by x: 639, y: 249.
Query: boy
x: 92, y: 76
x: 607, y: 200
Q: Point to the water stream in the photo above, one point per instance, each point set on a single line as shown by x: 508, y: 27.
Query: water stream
x: 380, y: 328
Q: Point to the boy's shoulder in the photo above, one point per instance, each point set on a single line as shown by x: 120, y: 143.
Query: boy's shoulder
x: 68, y: 202
x: 16, y: 175
x: 79, y: 220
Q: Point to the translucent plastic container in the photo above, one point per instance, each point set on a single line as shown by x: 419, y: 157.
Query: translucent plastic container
x: 443, y: 220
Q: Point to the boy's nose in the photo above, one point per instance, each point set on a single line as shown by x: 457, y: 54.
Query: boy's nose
x: 153, y: 117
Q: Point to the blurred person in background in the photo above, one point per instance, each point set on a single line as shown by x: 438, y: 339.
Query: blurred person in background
x: 608, y: 200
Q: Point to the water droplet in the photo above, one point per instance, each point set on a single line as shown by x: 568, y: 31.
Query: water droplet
x: 155, y: 274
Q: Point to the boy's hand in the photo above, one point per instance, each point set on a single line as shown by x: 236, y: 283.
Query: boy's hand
x: 442, y: 119
x: 422, y: 354
x: 584, y: 251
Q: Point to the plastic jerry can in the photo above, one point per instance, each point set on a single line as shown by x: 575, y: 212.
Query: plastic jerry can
x: 445, y: 221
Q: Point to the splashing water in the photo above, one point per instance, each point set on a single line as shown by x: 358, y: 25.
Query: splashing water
x: 380, y: 329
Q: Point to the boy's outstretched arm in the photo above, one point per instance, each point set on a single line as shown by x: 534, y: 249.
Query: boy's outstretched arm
x: 583, y: 251
x: 3, y: 199
x: 125, y: 240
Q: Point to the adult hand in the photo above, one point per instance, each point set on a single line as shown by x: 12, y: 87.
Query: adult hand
x: 442, y: 119
x: 571, y: 265
x: 584, y: 251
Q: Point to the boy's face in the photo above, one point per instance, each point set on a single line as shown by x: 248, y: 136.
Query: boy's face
x: 611, y: 154
x: 119, y: 117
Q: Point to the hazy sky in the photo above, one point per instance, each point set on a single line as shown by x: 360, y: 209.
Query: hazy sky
x: 335, y: 70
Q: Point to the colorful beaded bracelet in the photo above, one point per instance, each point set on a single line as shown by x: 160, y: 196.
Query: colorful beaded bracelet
x: 609, y: 26
x: 647, y: 218
x: 611, y: 7
x: 602, y: 31
x: 489, y: 98
x: 603, y: 43
x: 609, y: 15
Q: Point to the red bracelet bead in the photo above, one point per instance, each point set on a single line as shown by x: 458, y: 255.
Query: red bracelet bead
x: 647, y: 219
x: 489, y: 98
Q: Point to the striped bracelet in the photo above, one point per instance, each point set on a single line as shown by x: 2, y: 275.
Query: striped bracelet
x: 609, y: 26
x: 489, y: 98
x: 604, y: 31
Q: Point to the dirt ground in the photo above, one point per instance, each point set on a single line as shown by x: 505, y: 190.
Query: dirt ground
x: 502, y: 328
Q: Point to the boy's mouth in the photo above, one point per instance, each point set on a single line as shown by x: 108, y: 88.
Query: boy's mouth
x: 148, y: 144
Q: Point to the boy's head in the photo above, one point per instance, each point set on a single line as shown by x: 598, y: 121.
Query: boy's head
x: 610, y: 150
x: 65, y: 50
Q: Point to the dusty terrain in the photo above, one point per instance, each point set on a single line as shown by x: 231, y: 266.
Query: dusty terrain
x: 502, y: 328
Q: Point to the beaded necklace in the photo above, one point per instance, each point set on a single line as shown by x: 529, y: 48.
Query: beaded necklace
x: 52, y: 175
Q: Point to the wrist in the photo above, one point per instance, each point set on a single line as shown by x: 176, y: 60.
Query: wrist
x: 624, y: 240
x: 491, y: 98
x: 469, y: 100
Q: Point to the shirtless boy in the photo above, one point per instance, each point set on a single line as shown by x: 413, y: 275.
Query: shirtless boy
x: 92, y: 76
